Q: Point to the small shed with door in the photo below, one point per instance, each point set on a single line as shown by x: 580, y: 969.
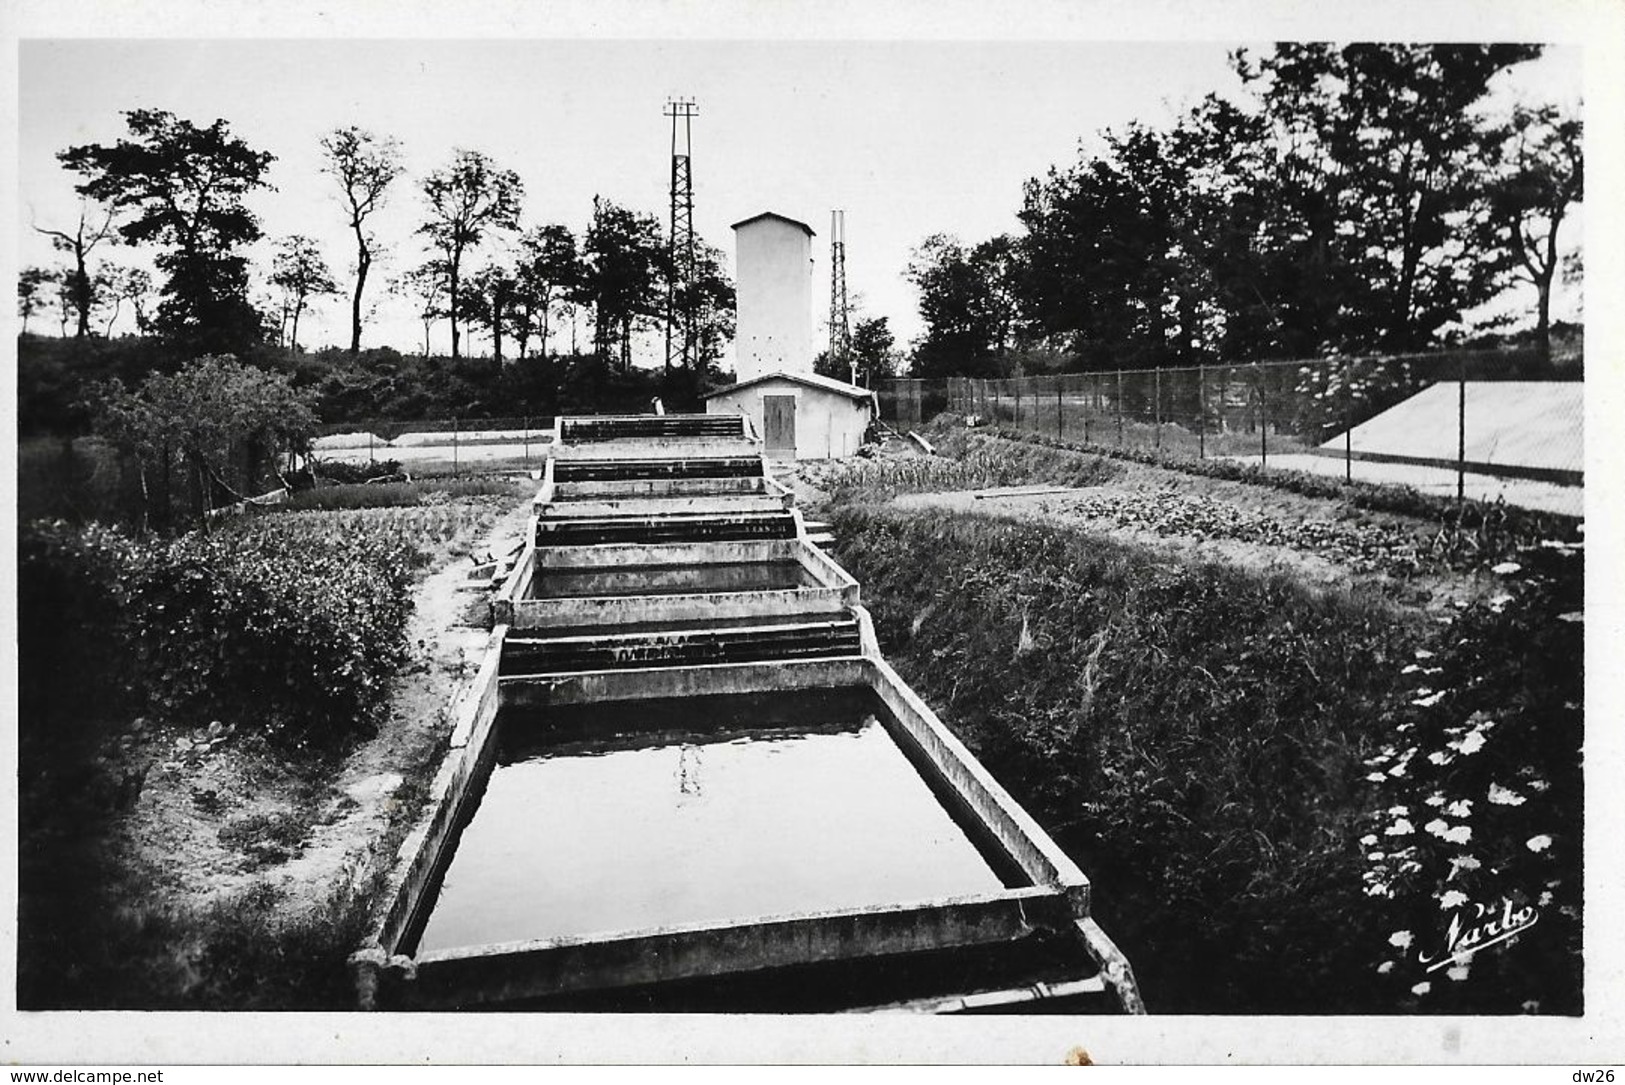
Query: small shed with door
x: 800, y: 416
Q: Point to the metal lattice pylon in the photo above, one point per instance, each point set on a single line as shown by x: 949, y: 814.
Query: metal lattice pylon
x: 680, y: 325
x: 840, y: 331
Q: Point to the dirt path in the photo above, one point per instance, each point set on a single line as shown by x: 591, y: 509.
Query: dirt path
x: 212, y: 823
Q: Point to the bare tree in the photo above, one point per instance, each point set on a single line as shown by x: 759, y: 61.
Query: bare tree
x: 85, y: 238
x: 364, y: 165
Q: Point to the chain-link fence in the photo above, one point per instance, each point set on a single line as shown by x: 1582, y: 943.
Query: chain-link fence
x: 433, y: 445
x: 1496, y: 413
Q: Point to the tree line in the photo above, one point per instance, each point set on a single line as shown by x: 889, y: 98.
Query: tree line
x: 182, y: 190
x: 1364, y: 198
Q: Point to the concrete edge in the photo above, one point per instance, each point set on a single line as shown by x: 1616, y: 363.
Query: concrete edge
x: 419, y: 854
x: 514, y: 971
x: 1021, y: 836
x: 1114, y: 967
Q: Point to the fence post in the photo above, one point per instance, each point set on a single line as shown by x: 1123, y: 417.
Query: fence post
x: 1201, y: 412
x: 1263, y: 420
x: 1096, y: 379
x: 1017, y: 383
x: 524, y: 424
x: 1156, y: 407
x: 1348, y: 420
x: 1060, y: 423
x: 1119, y: 408
x: 370, y: 459
x: 455, y: 469
x: 1461, y: 429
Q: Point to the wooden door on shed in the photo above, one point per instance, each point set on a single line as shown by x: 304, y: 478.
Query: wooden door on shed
x: 779, y: 426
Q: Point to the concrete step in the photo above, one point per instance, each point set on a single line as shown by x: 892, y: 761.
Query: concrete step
x: 610, y: 428
x: 630, y: 470
x: 747, y: 642
x: 665, y: 529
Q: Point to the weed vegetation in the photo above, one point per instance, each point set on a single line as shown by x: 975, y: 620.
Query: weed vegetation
x: 1469, y: 531
x: 966, y: 462
x: 1202, y: 740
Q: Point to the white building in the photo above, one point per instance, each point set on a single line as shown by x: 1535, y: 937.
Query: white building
x: 773, y: 332
x: 800, y: 416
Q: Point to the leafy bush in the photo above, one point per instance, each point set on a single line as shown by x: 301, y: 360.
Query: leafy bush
x: 1476, y: 803
x: 290, y: 631
x: 342, y: 473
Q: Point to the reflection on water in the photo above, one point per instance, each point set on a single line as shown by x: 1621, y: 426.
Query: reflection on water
x: 626, y: 830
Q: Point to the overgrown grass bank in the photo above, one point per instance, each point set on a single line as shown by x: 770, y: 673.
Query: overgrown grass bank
x: 281, y: 632
x: 1194, y: 735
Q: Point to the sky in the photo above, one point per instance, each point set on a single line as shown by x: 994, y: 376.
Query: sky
x: 908, y: 137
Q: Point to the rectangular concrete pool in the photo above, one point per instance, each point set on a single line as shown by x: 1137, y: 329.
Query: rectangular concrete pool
x: 634, y: 815
x: 809, y: 837
x: 611, y: 584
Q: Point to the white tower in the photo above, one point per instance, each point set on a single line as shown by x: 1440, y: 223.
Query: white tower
x: 773, y: 263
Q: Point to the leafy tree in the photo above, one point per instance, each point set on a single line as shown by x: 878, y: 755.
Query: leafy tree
x: 127, y: 284
x: 80, y: 243
x: 32, y: 286
x: 550, y: 276
x: 707, y: 304
x: 961, y: 305
x: 67, y: 299
x: 217, y: 420
x: 1134, y: 256
x: 624, y: 263
x: 186, y: 187
x: 1542, y: 175
x: 489, y: 299
x: 301, y: 274
x: 871, y: 356
x: 872, y: 346
x: 1383, y: 156
x: 364, y: 166
x: 425, y: 287
x: 466, y: 200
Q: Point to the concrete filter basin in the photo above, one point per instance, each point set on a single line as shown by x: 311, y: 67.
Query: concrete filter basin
x: 685, y: 780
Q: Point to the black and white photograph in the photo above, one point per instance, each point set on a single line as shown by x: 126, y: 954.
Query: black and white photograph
x: 748, y: 534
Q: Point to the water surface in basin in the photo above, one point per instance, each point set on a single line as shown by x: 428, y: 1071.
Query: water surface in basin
x: 647, y: 814
x: 741, y: 576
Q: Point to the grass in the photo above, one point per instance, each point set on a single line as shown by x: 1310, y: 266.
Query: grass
x: 1194, y: 735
